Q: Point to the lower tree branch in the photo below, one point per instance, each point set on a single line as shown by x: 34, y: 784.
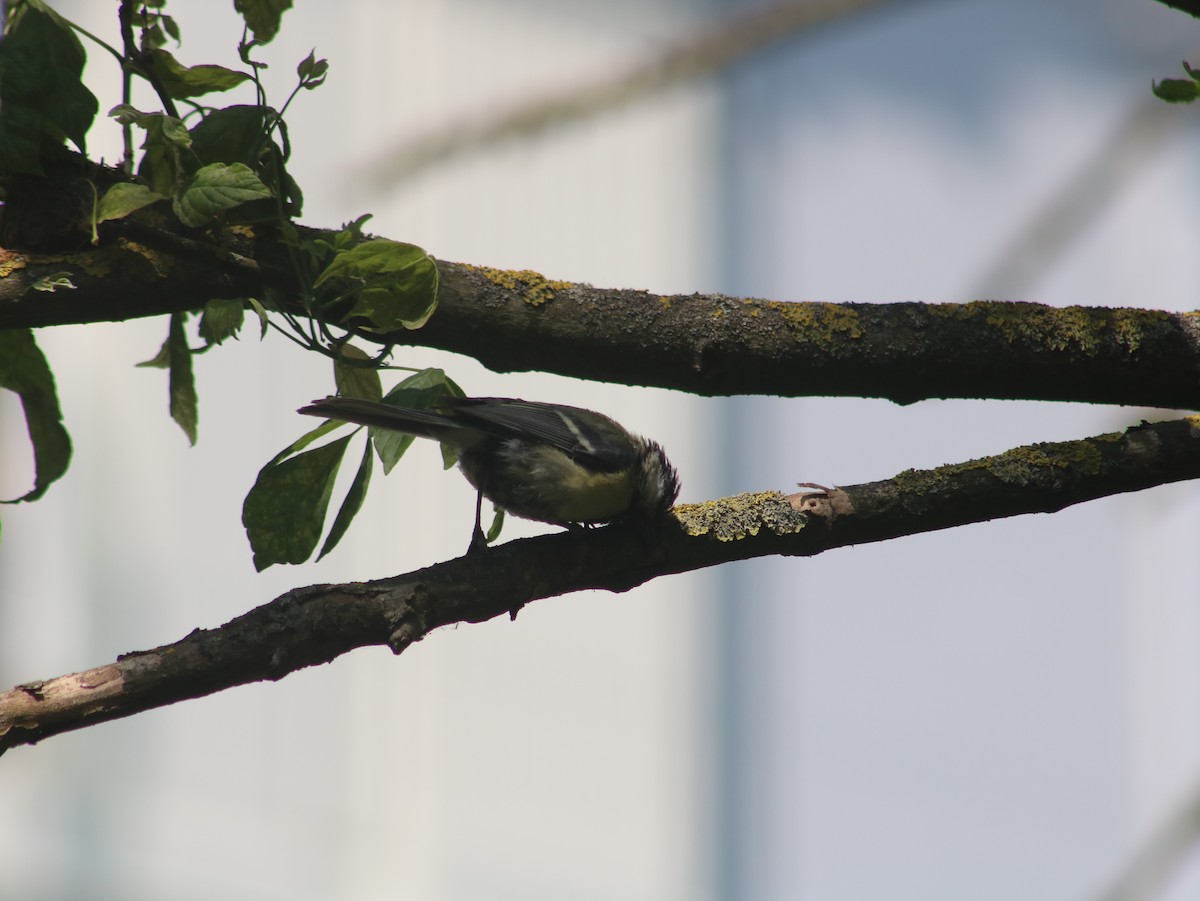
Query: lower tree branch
x: 313, y: 625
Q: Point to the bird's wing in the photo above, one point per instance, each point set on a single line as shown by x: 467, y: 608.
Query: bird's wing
x: 587, y: 437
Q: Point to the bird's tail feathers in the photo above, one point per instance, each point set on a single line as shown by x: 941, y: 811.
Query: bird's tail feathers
x: 422, y: 423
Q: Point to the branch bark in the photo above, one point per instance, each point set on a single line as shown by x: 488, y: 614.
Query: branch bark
x: 701, y: 343
x: 1192, y: 7
x: 313, y: 625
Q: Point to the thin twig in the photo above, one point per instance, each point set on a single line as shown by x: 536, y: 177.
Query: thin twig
x: 710, y: 50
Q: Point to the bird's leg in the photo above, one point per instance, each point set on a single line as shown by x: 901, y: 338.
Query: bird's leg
x: 478, y: 539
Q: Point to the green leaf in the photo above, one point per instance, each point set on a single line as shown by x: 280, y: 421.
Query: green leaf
x: 213, y: 190
x: 222, y: 319
x: 24, y: 370
x: 396, y: 284
x: 183, y: 388
x: 312, y: 71
x: 285, y: 509
x: 182, y: 81
x: 124, y: 198
x: 174, y: 132
x: 1176, y: 90
x: 154, y: 25
x: 42, y: 97
x: 160, y: 360
x: 171, y: 27
x: 419, y: 391
x: 176, y: 357
x: 162, y: 165
x: 493, y: 531
x: 390, y: 446
x: 128, y: 114
x: 238, y: 134
x: 235, y: 134
x: 262, y: 16
x: 356, y: 381
x: 346, y: 237
x: 449, y: 454
x: 52, y: 281
x: 20, y: 138
x: 352, y: 504
x: 261, y: 312
x: 306, y: 439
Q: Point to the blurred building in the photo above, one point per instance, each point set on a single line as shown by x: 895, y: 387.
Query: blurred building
x: 1002, y: 711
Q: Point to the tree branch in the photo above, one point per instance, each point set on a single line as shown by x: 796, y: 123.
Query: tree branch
x: 706, y: 344
x: 1191, y: 7
x: 313, y: 625
x: 710, y: 344
x: 701, y: 343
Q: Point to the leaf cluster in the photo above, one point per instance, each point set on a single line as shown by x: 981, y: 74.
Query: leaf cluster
x: 214, y: 167
x: 1179, y: 90
x: 43, y: 101
x: 285, y: 510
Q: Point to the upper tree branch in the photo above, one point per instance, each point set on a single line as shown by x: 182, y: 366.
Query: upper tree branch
x: 702, y: 343
x: 310, y: 626
x: 1187, y: 6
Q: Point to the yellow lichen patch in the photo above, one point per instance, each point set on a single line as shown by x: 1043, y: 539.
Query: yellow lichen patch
x: 922, y: 481
x: 10, y: 262
x: 1031, y: 463
x: 1130, y: 326
x: 535, y: 288
x: 818, y: 322
x: 99, y: 263
x: 1191, y: 317
x: 1059, y: 327
x: 1019, y: 466
x: 161, y: 262
x: 734, y: 518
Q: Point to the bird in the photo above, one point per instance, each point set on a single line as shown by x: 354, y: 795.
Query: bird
x: 552, y: 463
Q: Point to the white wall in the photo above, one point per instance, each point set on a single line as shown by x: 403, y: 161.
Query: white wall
x: 562, y: 755
x: 1003, y: 711
x: 1007, y: 710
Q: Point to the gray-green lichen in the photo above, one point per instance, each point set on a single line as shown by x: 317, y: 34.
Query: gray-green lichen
x: 1058, y: 328
x: 1032, y: 464
x: 735, y: 518
x: 818, y: 323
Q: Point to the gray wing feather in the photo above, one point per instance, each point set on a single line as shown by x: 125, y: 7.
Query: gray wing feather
x: 584, y: 435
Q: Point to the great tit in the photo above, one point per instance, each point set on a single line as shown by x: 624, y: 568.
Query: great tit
x: 547, y: 462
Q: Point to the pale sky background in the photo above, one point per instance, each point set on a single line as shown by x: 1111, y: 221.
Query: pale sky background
x: 1002, y: 711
